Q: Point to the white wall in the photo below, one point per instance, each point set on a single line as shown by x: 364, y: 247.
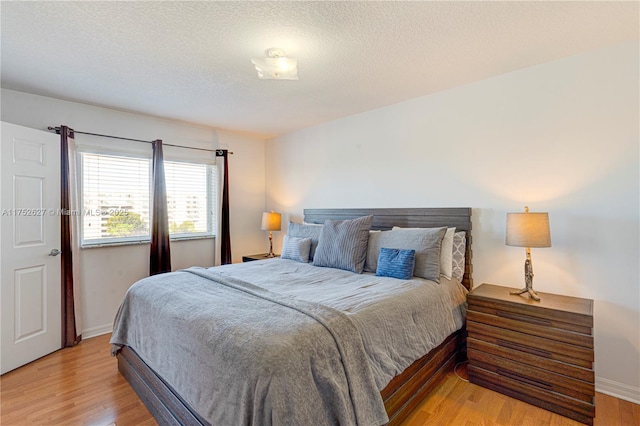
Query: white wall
x: 106, y: 273
x: 560, y: 137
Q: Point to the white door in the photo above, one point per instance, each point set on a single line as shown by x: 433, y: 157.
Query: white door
x: 30, y: 302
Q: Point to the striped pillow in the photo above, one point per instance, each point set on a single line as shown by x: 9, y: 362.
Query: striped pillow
x: 343, y: 244
x: 303, y: 230
x: 396, y: 263
x: 296, y: 248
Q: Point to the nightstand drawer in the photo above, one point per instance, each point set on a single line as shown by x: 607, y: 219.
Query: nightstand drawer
x: 544, y: 379
x: 580, y: 373
x: 553, y: 401
x: 534, y: 345
x: 553, y: 307
x: 530, y: 325
x: 505, y: 311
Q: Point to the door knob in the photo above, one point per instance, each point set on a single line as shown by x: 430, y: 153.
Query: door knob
x: 54, y: 252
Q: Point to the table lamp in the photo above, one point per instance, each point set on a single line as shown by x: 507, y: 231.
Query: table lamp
x: 528, y: 230
x: 271, y: 222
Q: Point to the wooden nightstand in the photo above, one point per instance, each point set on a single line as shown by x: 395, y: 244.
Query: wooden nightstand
x: 538, y: 352
x: 261, y: 256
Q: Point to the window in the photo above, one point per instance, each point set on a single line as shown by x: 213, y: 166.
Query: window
x: 190, y: 207
x: 116, y: 197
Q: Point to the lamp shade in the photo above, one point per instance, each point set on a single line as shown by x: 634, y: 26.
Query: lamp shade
x: 528, y: 230
x: 271, y: 221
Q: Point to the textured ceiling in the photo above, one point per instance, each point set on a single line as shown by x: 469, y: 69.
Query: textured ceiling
x: 191, y: 61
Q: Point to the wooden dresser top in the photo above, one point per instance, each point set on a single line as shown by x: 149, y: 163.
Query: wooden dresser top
x: 547, y: 301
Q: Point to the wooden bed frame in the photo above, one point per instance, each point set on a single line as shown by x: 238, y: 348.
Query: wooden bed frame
x: 401, y: 396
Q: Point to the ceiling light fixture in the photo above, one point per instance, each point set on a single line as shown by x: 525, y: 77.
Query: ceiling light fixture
x: 276, y: 66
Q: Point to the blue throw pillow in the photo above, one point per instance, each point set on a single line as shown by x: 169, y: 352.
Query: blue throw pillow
x: 396, y: 263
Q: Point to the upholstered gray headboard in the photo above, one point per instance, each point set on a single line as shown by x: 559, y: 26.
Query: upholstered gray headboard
x: 384, y: 219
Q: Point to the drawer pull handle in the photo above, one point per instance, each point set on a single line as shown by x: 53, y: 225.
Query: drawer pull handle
x: 523, y: 318
x: 523, y: 348
x: 520, y: 378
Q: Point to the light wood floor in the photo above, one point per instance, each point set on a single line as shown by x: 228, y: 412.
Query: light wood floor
x: 82, y: 386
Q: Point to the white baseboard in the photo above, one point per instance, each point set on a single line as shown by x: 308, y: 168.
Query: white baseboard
x: 618, y: 390
x: 97, y: 331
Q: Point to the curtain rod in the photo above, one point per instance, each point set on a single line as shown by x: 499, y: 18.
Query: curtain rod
x: 57, y: 130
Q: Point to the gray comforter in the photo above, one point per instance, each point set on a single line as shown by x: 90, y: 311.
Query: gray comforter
x: 280, y: 342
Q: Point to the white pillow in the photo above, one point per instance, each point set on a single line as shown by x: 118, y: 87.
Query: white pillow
x: 446, y: 252
x: 446, y: 256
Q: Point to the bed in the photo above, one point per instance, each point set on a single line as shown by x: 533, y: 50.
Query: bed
x: 400, y: 394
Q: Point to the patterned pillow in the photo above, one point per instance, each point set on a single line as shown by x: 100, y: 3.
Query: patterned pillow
x: 426, y: 242
x: 459, y: 248
x: 343, y: 244
x: 396, y: 263
x: 296, y: 248
x: 306, y: 231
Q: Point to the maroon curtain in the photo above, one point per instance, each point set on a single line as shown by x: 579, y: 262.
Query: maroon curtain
x: 160, y: 260
x: 70, y: 336
x: 225, y: 242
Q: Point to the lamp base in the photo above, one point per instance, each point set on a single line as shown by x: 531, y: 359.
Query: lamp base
x: 528, y: 279
x: 271, y: 253
x: 532, y: 293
